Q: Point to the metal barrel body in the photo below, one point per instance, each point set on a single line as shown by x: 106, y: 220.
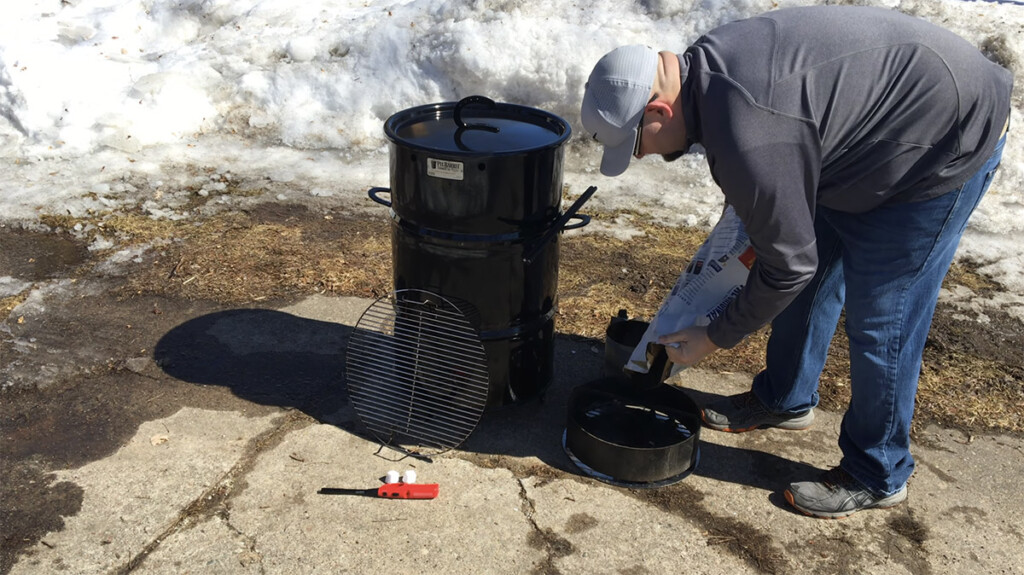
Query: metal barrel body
x: 511, y: 302
x: 476, y: 194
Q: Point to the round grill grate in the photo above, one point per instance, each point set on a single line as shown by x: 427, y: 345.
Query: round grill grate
x: 417, y: 372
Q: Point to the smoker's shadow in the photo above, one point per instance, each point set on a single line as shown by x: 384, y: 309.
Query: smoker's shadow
x: 276, y: 358
x: 264, y: 356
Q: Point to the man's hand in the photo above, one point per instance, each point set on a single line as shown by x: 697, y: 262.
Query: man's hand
x: 693, y: 345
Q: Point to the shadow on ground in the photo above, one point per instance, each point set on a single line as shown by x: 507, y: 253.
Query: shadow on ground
x: 264, y: 356
x: 278, y: 359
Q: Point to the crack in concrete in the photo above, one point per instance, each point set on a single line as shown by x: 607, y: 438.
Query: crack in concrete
x: 552, y: 544
x: 214, y: 501
x: 250, y: 542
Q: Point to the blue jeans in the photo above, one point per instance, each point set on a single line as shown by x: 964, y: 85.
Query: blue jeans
x: 886, y: 266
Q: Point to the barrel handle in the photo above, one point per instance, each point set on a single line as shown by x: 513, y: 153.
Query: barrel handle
x: 373, y: 195
x: 583, y: 220
x: 560, y: 225
x: 470, y: 100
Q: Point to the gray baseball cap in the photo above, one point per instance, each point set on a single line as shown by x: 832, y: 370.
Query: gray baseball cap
x: 614, y: 100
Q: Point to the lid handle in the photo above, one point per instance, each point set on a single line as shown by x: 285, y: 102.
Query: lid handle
x: 468, y: 101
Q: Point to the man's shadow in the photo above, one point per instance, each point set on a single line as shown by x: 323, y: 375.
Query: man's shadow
x: 275, y: 358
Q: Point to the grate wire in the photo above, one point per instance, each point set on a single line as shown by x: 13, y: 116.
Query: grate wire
x: 417, y: 372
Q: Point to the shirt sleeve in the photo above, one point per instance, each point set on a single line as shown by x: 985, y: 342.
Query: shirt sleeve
x: 767, y: 165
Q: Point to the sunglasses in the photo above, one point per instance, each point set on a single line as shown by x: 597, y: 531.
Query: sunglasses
x: 640, y: 128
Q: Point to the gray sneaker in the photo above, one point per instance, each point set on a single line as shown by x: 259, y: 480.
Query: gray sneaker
x: 743, y: 412
x: 836, y: 494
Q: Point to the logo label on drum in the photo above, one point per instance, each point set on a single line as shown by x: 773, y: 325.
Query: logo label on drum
x: 444, y: 169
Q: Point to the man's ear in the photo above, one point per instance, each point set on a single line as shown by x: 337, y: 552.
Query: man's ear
x: 660, y: 108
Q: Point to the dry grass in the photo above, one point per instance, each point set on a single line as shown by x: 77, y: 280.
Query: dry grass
x: 241, y: 260
x: 266, y: 254
x: 7, y: 304
x: 275, y: 252
x: 972, y: 392
x: 600, y: 274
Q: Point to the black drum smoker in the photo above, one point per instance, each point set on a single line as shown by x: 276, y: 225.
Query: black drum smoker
x: 476, y: 211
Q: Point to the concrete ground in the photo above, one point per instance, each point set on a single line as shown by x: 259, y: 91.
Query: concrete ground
x: 179, y: 437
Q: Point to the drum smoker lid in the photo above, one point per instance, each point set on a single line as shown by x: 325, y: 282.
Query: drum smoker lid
x: 476, y: 126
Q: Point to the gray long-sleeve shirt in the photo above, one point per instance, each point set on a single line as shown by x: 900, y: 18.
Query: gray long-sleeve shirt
x: 836, y: 106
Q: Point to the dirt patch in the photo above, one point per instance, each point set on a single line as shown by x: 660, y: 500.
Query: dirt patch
x: 34, y: 504
x: 32, y: 256
x: 580, y: 522
x: 838, y: 548
x: 753, y: 546
x: 554, y: 546
x: 904, y: 543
